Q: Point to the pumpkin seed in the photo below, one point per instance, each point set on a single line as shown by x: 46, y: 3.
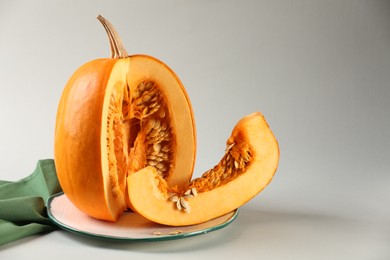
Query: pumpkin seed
x: 194, y: 191
x: 141, y: 86
x: 149, y: 85
x: 175, y: 232
x: 146, y: 98
x: 157, y: 124
x: 161, y: 113
x: 178, y: 205
x: 157, y: 147
x: 174, y: 198
x: 145, y: 111
x: 236, y: 164
x: 152, y: 163
x: 184, y: 203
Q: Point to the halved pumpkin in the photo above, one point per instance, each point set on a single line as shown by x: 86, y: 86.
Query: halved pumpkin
x: 116, y: 116
x: 249, y: 163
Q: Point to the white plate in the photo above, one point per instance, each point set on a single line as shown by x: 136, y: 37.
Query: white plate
x: 129, y: 227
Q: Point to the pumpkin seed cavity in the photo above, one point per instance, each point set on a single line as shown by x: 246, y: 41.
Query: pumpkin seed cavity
x: 140, y: 132
x: 234, y: 163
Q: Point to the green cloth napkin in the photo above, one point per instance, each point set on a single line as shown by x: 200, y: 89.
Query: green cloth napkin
x: 23, y: 203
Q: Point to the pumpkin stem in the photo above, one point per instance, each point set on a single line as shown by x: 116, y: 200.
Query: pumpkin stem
x: 118, y: 51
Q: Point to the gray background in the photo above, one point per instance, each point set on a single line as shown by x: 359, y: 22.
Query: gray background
x: 318, y: 70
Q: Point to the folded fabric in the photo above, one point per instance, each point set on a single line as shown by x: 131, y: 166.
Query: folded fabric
x: 23, y: 203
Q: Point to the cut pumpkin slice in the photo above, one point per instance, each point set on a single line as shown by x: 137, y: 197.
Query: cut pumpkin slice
x: 247, y: 167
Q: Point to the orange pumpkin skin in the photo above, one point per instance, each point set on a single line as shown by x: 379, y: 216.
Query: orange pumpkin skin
x: 77, y: 152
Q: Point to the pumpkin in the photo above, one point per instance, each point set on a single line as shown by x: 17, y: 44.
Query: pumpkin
x: 248, y: 165
x: 116, y: 116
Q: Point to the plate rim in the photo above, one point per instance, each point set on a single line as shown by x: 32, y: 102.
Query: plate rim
x: 88, y: 234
